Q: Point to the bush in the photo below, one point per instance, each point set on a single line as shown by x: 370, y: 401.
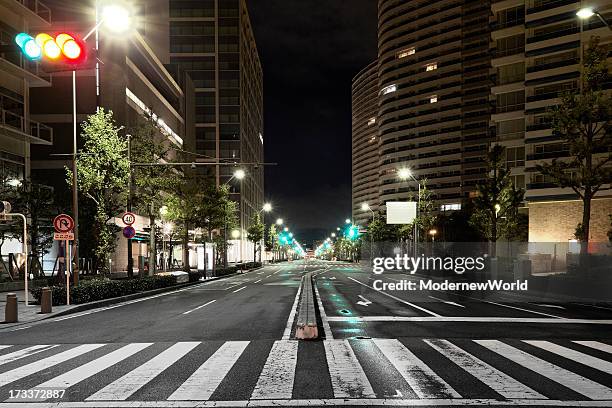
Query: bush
x: 99, y: 289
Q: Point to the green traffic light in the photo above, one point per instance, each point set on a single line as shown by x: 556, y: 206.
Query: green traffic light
x: 28, y: 46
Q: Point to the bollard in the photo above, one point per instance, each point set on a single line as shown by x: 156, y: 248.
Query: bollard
x: 10, y: 312
x: 46, y: 300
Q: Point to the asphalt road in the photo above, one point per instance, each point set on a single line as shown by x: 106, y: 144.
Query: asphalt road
x: 229, y: 343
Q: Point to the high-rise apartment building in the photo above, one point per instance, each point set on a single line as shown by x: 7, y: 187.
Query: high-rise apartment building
x: 365, y: 143
x: 214, y: 42
x: 433, y: 102
x: 18, y: 131
x: 537, y: 46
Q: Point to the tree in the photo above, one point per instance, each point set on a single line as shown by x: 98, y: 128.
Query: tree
x: 255, y: 234
x: 272, y: 240
x: 496, y: 204
x: 583, y: 122
x: 426, y: 218
x: 102, y: 171
x: 150, y: 184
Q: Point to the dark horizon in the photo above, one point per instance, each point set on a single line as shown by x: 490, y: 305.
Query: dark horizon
x: 310, y: 137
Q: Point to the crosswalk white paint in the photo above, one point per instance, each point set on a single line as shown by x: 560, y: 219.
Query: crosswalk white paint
x: 347, y: 376
x: 573, y: 381
x: 4, y: 346
x: 501, y: 383
x: 87, y: 370
x: 276, y: 378
x: 26, y: 352
x: 205, y: 380
x: 40, y: 365
x: 422, y: 379
x: 596, y: 345
x: 127, y: 385
x: 594, y: 362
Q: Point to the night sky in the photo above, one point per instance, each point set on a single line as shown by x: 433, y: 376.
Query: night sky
x: 310, y: 51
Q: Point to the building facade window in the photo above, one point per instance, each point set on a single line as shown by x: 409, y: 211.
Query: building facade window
x: 515, y: 157
x: 388, y: 89
x: 510, y: 101
x: 371, y: 121
x: 406, y: 53
x: 508, y: 74
x: 433, y: 99
x: 511, y: 17
x: 431, y: 67
x: 510, y: 45
x: 510, y: 129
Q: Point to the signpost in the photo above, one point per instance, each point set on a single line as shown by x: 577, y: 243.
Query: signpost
x: 64, y: 227
x: 128, y: 218
x: 129, y: 232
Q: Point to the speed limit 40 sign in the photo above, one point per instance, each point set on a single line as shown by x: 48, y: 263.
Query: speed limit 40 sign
x: 129, y: 218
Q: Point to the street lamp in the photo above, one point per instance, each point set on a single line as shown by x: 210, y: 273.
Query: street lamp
x: 433, y: 233
x: 116, y: 18
x: 347, y: 221
x: 404, y: 174
x: 587, y: 12
x: 279, y: 221
x: 333, y: 235
x: 235, y: 234
x: 366, y: 207
x: 267, y: 207
x: 239, y: 174
x: 286, y: 229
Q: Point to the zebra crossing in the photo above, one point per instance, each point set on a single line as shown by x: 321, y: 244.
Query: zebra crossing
x: 331, y: 372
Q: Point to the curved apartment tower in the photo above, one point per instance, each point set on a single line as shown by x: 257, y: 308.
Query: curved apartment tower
x: 434, y: 108
x: 365, y: 143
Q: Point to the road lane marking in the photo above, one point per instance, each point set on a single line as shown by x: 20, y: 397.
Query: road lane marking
x: 5, y: 346
x: 588, y: 360
x: 501, y: 383
x: 363, y: 301
x: 131, y: 382
x: 324, y: 320
x: 205, y: 380
x: 596, y: 345
x: 26, y: 352
x: 257, y: 281
x: 421, y: 378
x: 447, y: 302
x: 40, y: 365
x: 199, y: 307
x: 277, y: 376
x: 568, y: 379
x: 289, y: 325
x: 239, y: 289
x: 91, y: 368
x: 547, y: 305
x: 347, y: 376
x: 396, y: 298
x: 20, y: 328
x: 466, y: 319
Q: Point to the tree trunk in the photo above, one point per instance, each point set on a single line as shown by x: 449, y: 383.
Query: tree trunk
x: 186, y: 266
x: 586, y: 220
x: 152, y: 246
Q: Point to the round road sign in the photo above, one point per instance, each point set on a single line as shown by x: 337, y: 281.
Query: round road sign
x: 129, y: 218
x: 63, y: 223
x: 129, y: 232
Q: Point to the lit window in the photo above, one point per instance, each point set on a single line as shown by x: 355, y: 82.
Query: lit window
x: 371, y: 121
x: 389, y: 89
x: 450, y: 207
x: 431, y: 67
x: 406, y: 53
x: 433, y: 99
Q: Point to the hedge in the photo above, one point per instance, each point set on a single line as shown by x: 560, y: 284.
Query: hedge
x: 99, y: 289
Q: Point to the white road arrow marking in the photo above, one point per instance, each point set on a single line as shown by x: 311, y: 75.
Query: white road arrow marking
x: 448, y: 302
x: 364, y: 301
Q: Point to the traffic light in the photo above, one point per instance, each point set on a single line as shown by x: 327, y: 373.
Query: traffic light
x: 64, y: 52
x: 352, y: 232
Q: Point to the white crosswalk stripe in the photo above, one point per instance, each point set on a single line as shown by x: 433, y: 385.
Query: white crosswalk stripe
x: 573, y: 381
x: 422, y: 379
x: 206, y: 379
x: 87, y: 370
x: 276, y: 378
x: 346, y: 365
x: 40, y: 365
x: 347, y: 377
x: 127, y: 385
x: 594, y: 362
x: 16, y: 355
x: 504, y: 385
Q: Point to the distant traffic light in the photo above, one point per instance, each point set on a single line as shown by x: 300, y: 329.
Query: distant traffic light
x: 352, y: 232
x: 64, y: 52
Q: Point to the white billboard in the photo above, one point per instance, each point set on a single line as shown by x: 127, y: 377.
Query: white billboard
x: 401, y: 212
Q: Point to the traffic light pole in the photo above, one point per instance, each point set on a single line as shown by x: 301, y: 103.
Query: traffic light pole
x: 130, y: 264
x: 75, y: 189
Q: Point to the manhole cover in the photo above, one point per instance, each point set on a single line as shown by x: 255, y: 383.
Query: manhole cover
x: 345, y: 311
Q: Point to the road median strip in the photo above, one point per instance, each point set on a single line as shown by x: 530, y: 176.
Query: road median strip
x: 306, y: 326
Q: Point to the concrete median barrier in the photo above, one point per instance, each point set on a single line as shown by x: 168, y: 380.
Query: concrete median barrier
x: 306, y: 326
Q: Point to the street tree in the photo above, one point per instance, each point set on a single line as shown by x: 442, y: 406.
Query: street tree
x: 151, y: 184
x: 583, y: 121
x: 255, y: 233
x: 102, y: 173
x: 496, y: 204
x: 272, y: 240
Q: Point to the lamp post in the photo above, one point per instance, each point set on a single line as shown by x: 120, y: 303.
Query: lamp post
x: 267, y: 207
x: 405, y: 174
x: 117, y: 19
x: 366, y: 207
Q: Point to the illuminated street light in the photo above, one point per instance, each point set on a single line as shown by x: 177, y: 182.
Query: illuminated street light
x: 279, y: 221
x: 163, y: 211
x: 365, y: 207
x: 333, y: 235
x: 404, y: 173
x: 338, y: 229
x: 585, y: 12
x: 116, y: 18
x: 239, y: 174
x: 235, y: 234
x: 286, y: 229
x: 267, y: 207
x: 347, y: 221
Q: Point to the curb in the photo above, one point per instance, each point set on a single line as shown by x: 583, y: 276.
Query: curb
x: 306, y: 325
x: 107, y: 302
